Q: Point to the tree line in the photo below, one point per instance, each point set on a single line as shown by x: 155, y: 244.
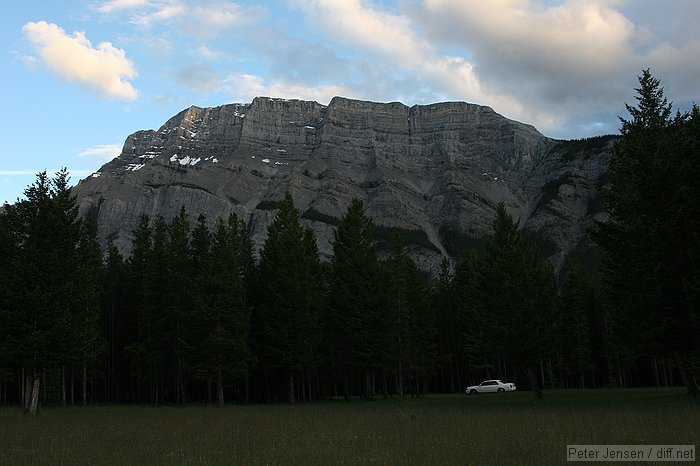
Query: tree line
x: 193, y: 315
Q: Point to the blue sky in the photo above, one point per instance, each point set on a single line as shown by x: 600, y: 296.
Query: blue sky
x: 81, y: 75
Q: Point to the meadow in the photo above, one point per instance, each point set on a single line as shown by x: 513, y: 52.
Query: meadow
x: 496, y: 429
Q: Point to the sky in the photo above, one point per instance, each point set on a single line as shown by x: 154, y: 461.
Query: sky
x: 79, y: 76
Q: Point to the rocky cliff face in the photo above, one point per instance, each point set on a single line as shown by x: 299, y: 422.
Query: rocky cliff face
x: 440, y: 169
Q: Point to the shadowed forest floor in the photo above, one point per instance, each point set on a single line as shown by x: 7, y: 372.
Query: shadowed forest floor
x: 497, y: 429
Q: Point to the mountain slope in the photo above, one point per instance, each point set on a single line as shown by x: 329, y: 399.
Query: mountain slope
x: 439, y: 168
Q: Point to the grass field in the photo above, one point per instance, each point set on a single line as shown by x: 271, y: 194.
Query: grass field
x: 498, y: 429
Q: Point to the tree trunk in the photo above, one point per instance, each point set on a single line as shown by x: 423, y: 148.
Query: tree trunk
x: 181, y: 390
x: 532, y: 376
x: 63, y: 385
x: 542, y: 374
x: 386, y: 386
x: 27, y: 393
x: 664, y: 373
x: 687, y: 378
x: 219, y: 388
x: 84, y: 383
x: 291, y: 388
x: 303, y: 386
x: 619, y: 372
x: 346, y: 387
x: 369, y: 389
x: 657, y: 380
x: 72, y: 387
x: 33, y: 402
x: 458, y: 370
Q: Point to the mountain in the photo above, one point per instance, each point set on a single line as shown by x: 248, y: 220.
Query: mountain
x: 436, y: 172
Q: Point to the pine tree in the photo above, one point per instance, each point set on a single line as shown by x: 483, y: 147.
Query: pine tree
x: 396, y: 314
x: 220, y: 302
x: 286, y: 322
x: 409, y: 321
x: 354, y: 320
x: 157, y: 325
x: 444, y: 301
x: 9, y: 299
x: 52, y: 322
x: 137, y: 265
x: 578, y: 312
x: 647, y: 244
x: 88, y: 342
x: 472, y: 323
x: 179, y: 284
x: 116, y: 323
x: 520, y: 296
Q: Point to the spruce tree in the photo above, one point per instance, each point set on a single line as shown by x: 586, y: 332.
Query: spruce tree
x: 52, y: 321
x: 287, y: 325
x: 520, y: 297
x: 648, y: 243
x: 354, y: 320
x: 136, y: 266
x: 87, y: 339
x: 9, y: 299
x: 223, y: 352
x: 116, y: 322
x: 579, y: 308
x: 409, y: 321
x: 444, y: 301
x: 472, y: 322
x: 179, y: 285
x: 157, y: 324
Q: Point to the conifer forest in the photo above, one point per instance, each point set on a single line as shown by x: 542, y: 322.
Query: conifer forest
x: 194, y: 315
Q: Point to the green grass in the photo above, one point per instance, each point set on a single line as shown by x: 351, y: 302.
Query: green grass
x: 499, y: 429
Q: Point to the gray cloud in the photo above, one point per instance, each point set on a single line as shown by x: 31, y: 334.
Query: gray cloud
x: 297, y: 59
x: 566, y: 66
x: 199, y: 76
x: 576, y: 61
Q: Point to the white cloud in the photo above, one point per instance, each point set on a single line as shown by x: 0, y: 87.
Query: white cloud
x: 570, y: 61
x: 199, y: 76
x: 223, y: 14
x: 19, y: 172
x: 164, y: 12
x: 28, y: 60
x: 35, y: 172
x: 116, y: 5
x: 203, y: 20
x: 576, y: 36
x: 207, y: 53
x: 104, y: 69
x: 393, y: 36
x: 102, y: 153
x: 556, y: 64
x: 350, y: 21
x: 244, y: 87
